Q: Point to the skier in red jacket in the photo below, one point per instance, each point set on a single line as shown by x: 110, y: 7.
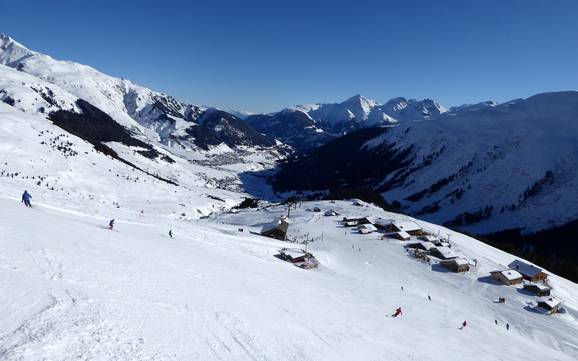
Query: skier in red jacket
x: 397, y: 312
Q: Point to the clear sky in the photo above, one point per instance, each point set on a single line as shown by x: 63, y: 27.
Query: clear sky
x: 266, y: 55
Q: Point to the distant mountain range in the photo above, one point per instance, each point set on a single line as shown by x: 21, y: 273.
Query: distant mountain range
x: 483, y: 168
x: 310, y: 125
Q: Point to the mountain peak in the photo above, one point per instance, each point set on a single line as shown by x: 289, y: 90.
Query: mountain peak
x: 11, y: 50
x: 360, y: 99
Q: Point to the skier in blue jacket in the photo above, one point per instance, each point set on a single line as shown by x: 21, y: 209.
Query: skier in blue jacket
x: 26, y: 199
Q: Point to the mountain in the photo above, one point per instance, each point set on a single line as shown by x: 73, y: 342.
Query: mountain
x: 504, y: 167
x: 308, y: 126
x: 155, y: 115
x: 64, y: 123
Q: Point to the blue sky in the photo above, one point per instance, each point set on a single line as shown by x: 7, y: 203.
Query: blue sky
x: 266, y: 55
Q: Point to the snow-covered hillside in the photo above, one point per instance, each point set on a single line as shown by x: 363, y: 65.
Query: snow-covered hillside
x: 310, y: 125
x: 71, y: 289
x: 491, y: 169
x: 95, y: 136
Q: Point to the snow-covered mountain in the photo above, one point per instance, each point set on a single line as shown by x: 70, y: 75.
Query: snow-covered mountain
x: 157, y: 116
x: 500, y: 167
x: 310, y: 125
x: 55, y: 138
x: 90, y: 148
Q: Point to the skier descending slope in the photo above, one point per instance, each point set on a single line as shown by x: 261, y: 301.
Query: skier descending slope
x: 111, y: 224
x: 26, y: 198
x: 397, y: 312
x: 464, y: 324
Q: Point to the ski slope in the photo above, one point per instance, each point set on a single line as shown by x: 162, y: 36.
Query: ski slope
x: 71, y: 289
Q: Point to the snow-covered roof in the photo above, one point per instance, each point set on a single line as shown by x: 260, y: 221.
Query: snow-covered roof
x: 273, y: 225
x: 383, y: 221
x: 461, y: 261
x: 525, y: 268
x: 550, y: 301
x: 510, y: 274
x: 430, y: 238
x: 446, y: 252
x: 367, y: 228
x: 427, y: 245
x: 541, y: 287
x: 407, y: 226
x: 400, y: 234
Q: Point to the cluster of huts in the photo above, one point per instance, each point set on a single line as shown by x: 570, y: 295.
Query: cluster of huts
x: 422, y: 244
x: 533, y: 280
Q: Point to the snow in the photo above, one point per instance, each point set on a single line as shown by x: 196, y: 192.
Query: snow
x: 510, y: 274
x: 525, y: 268
x: 366, y: 228
x: 407, y: 226
x: 493, y: 155
x: 72, y: 289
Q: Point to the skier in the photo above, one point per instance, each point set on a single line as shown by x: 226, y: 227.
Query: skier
x: 111, y: 224
x: 402, y: 288
x: 171, y: 233
x: 496, y: 321
x: 508, y: 326
x: 464, y: 324
x: 429, y: 297
x: 26, y: 198
x: 397, y: 312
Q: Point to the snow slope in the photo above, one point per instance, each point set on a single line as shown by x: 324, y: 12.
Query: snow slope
x: 65, y: 170
x: 71, y: 289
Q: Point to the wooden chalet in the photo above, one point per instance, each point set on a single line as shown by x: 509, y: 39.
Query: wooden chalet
x: 424, y: 246
x: 508, y: 277
x: 550, y: 305
x: 456, y: 264
x: 528, y: 271
x: 443, y: 253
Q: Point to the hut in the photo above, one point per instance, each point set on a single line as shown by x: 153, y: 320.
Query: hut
x: 424, y: 246
x: 508, y: 277
x: 528, y: 271
x: 402, y: 236
x: 456, y: 264
x: 433, y: 239
x: 537, y: 289
x: 366, y: 228
x: 277, y: 229
x: 443, y: 253
x: 389, y: 225
x: 352, y: 222
x: 299, y: 258
x: 550, y: 305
